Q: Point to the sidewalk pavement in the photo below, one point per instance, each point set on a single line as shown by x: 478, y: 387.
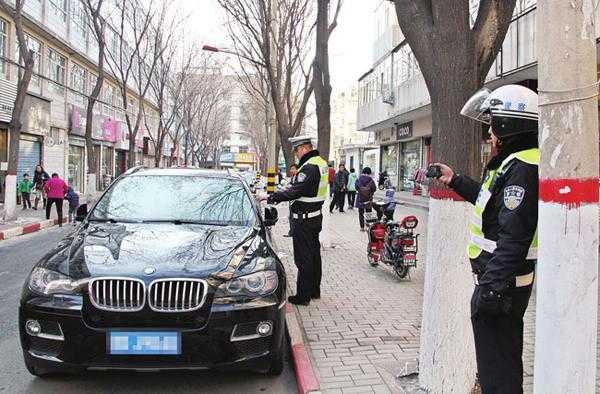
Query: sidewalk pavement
x: 366, y: 326
x: 29, y: 220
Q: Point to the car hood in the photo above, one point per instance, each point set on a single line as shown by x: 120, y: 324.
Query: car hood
x: 148, y: 250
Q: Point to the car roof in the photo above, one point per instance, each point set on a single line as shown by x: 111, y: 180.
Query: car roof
x: 181, y: 171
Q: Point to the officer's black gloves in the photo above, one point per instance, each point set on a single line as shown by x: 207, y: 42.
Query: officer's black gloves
x: 491, y: 302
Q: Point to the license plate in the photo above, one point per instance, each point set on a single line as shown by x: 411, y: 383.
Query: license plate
x: 144, y: 342
x: 410, y: 259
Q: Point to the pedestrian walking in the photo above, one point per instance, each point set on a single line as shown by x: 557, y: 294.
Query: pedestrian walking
x: 73, y: 198
x: 55, y: 189
x: 40, y: 177
x: 352, y: 177
x: 24, y: 187
x: 330, y: 177
x: 503, y: 245
x: 292, y: 173
x: 307, y: 192
x: 340, y: 185
x: 365, y: 187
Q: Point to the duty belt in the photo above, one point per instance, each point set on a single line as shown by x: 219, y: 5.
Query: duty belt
x: 307, y: 215
x: 520, y: 281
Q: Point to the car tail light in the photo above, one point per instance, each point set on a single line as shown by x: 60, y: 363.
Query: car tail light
x: 407, y: 241
x: 378, y: 231
x: 410, y: 222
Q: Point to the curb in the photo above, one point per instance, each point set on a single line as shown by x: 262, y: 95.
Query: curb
x: 306, y: 378
x: 413, y: 205
x: 27, y: 229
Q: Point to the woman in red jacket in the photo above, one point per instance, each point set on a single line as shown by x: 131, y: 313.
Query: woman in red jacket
x: 56, y: 189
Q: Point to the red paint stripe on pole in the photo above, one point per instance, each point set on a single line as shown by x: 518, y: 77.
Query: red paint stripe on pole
x: 444, y: 194
x: 305, y: 376
x: 1, y: 236
x: 570, y: 192
x: 31, y: 228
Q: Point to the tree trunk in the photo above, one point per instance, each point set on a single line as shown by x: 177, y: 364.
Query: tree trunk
x: 321, y: 76
x: 286, y: 147
x: 10, y: 194
x: 446, y: 333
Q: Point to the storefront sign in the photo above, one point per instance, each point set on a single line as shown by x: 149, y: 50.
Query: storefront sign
x: 244, y: 158
x: 404, y: 130
x: 227, y: 157
x: 36, y: 115
x: 384, y: 136
x: 109, y: 130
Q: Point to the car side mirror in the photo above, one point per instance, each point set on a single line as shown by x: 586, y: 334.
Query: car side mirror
x: 271, y: 216
x: 81, y: 213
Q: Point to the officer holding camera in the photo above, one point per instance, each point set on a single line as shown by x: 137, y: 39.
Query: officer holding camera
x: 503, y: 231
x: 307, y: 193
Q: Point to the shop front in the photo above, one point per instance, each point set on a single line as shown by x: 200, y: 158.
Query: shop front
x: 35, y: 120
x: 76, y: 164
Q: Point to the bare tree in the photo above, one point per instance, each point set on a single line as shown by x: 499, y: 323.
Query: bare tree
x: 254, y: 119
x: 133, y: 57
x: 205, y: 110
x: 24, y: 77
x: 454, y: 69
x: 166, y: 84
x: 93, y: 10
x: 254, y: 30
x: 321, y: 75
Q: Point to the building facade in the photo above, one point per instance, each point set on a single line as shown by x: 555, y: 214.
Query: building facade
x: 239, y: 149
x: 348, y: 144
x: 393, y: 99
x: 54, y: 115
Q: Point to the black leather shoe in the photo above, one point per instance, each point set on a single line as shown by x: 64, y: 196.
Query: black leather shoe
x: 316, y: 296
x: 297, y: 300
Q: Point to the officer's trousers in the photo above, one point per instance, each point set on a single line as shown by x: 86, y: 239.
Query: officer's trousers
x: 499, y: 344
x: 307, y: 256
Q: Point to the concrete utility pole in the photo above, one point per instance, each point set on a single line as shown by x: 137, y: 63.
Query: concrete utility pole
x: 567, y: 285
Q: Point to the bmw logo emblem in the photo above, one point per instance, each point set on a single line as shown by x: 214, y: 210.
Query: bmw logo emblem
x: 149, y: 270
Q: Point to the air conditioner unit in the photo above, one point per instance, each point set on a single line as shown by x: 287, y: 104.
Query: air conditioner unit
x: 388, y: 97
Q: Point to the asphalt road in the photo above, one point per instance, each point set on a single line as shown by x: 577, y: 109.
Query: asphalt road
x: 17, y: 256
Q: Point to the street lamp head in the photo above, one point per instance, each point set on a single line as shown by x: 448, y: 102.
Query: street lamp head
x: 210, y: 48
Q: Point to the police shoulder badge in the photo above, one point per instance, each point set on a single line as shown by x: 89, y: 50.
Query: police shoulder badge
x: 513, y: 196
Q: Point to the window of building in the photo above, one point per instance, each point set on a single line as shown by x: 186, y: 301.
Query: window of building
x: 35, y: 46
x: 78, y: 78
x: 226, y: 149
x: 243, y: 149
x: 56, y: 70
x: 109, y: 97
x: 59, y: 9
x: 3, y: 47
x: 78, y: 18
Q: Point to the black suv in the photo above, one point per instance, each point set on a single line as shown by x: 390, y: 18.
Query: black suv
x: 171, y: 269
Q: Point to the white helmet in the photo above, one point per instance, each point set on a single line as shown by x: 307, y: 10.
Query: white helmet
x: 510, y: 109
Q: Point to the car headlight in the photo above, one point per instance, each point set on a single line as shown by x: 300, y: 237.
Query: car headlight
x: 257, y: 284
x: 47, y: 282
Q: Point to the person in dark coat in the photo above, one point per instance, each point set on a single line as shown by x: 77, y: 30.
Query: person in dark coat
x: 40, y: 177
x: 73, y: 198
x: 340, y: 187
x: 365, y: 189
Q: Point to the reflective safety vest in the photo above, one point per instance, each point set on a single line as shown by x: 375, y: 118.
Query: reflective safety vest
x: 323, y: 181
x: 478, y: 242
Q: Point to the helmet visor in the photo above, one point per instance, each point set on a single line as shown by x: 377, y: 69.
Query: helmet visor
x: 474, y: 108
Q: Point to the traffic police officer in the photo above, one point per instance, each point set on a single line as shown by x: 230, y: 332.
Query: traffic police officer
x: 307, y: 193
x: 503, y: 232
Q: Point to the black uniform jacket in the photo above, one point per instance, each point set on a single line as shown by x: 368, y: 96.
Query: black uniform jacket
x: 510, y: 218
x: 304, y: 184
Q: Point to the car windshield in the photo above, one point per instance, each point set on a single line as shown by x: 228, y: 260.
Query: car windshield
x: 186, y: 199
